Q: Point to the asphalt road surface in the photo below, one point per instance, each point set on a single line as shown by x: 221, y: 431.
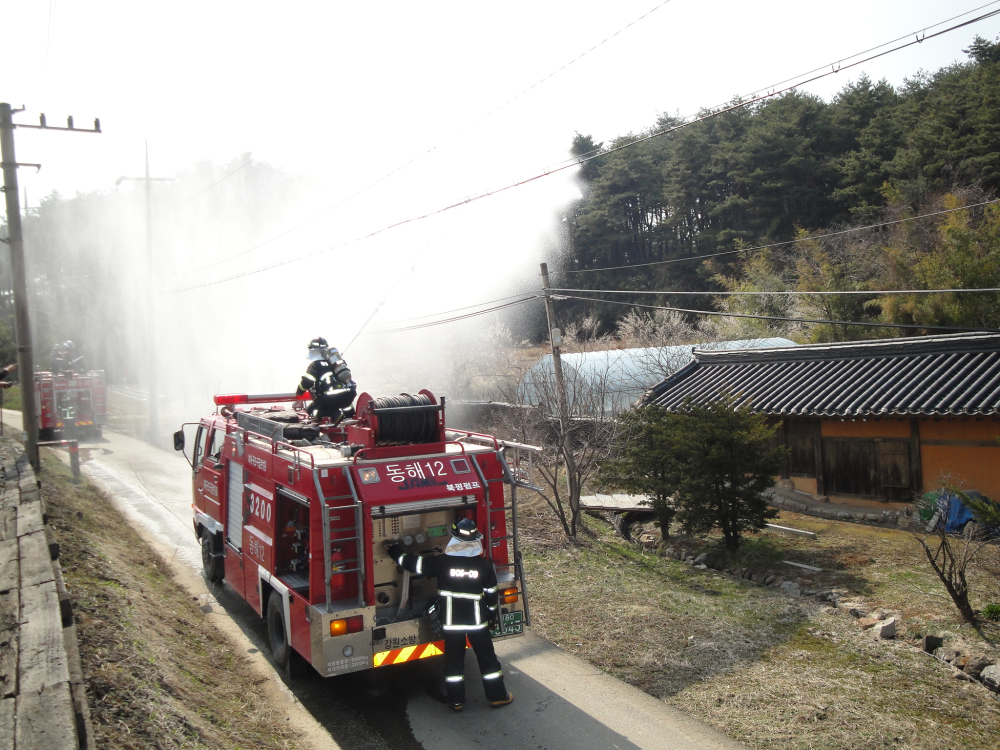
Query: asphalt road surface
x: 560, y: 701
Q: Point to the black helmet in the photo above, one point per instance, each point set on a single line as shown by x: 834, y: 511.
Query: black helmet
x: 318, y: 343
x: 465, y: 530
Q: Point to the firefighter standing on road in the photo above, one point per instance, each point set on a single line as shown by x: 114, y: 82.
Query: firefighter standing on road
x: 327, y: 380
x: 468, y: 600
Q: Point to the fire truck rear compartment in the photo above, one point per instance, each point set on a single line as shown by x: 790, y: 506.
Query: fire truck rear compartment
x: 400, y: 596
x: 291, y: 553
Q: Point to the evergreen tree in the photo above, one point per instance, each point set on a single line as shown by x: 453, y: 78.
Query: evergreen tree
x: 710, y: 464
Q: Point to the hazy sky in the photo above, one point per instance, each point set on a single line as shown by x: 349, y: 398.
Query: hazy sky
x: 345, y: 92
x: 349, y: 91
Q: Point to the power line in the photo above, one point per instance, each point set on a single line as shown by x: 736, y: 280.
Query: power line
x: 247, y: 163
x: 793, y: 320
x: 436, y: 146
x: 458, y: 309
x: 870, y: 292
x: 581, y: 160
x: 810, y: 238
x: 840, y: 61
x: 454, y: 319
x: 761, y: 97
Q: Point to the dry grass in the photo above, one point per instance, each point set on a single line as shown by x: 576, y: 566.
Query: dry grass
x: 158, y: 675
x: 771, y: 671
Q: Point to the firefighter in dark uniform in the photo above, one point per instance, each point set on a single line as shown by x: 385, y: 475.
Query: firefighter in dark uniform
x: 327, y: 380
x: 5, y: 374
x: 62, y: 357
x: 468, y: 602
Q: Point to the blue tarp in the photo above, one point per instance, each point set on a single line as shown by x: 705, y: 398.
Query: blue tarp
x: 958, y: 514
x: 953, y: 510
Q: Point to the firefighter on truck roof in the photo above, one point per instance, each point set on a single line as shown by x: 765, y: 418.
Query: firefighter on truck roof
x: 62, y: 357
x: 468, y: 602
x: 327, y: 380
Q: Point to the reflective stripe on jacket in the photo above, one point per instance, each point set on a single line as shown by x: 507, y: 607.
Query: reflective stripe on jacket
x: 467, y: 587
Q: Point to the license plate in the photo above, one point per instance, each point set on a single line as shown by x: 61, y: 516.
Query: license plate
x: 511, y: 623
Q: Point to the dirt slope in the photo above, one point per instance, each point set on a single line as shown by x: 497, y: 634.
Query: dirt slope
x: 158, y: 675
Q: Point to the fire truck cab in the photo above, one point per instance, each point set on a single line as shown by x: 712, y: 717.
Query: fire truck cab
x: 292, y: 513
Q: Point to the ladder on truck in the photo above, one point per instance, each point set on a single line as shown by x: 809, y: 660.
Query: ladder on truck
x: 328, y: 511
x: 517, y: 461
x: 519, y: 471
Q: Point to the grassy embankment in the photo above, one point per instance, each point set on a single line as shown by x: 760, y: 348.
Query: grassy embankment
x: 158, y: 675
x: 769, y: 670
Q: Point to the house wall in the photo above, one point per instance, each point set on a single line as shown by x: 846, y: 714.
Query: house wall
x: 885, y: 428
x: 963, y: 452
x: 929, y: 451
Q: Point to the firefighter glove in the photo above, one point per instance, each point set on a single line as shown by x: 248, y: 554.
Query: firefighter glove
x: 395, y: 552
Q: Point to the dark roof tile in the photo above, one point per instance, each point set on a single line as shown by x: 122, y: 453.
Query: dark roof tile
x: 934, y: 375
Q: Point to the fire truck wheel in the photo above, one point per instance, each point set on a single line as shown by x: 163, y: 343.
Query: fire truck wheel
x: 45, y: 433
x: 214, y: 567
x: 281, y: 648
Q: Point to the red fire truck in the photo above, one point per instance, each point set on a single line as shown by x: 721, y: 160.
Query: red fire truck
x: 292, y: 513
x: 70, y: 404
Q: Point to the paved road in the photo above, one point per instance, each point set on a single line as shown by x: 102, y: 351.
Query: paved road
x: 561, y: 702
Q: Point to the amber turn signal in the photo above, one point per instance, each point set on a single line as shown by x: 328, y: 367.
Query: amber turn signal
x: 509, y: 596
x: 351, y: 625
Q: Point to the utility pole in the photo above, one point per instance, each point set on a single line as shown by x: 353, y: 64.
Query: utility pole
x: 555, y: 338
x: 151, y: 369
x: 22, y: 322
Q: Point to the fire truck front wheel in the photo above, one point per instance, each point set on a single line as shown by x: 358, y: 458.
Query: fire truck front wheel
x: 213, y: 565
x: 281, y: 647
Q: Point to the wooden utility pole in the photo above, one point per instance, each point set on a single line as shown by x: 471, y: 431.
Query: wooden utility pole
x: 555, y: 338
x: 22, y: 323
x: 154, y: 400
x: 151, y: 352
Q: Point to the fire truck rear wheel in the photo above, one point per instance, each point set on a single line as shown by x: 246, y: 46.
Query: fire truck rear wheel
x: 214, y: 567
x: 281, y: 647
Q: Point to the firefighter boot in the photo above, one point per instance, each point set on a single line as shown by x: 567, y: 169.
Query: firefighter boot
x: 496, y: 691
x: 503, y: 701
x: 455, y: 689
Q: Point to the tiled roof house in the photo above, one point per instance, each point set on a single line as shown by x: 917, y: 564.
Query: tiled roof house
x: 874, y: 419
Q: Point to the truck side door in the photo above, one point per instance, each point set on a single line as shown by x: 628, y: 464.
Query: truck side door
x: 197, y: 461
x: 210, y: 478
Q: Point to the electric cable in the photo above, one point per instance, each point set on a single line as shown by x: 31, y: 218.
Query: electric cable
x: 870, y: 292
x: 849, y: 57
x: 436, y: 146
x: 791, y: 320
x: 582, y: 160
x: 247, y: 163
x: 786, y: 242
x: 433, y: 323
x: 458, y: 309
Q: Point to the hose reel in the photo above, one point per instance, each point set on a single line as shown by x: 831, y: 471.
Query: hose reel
x: 401, y: 421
